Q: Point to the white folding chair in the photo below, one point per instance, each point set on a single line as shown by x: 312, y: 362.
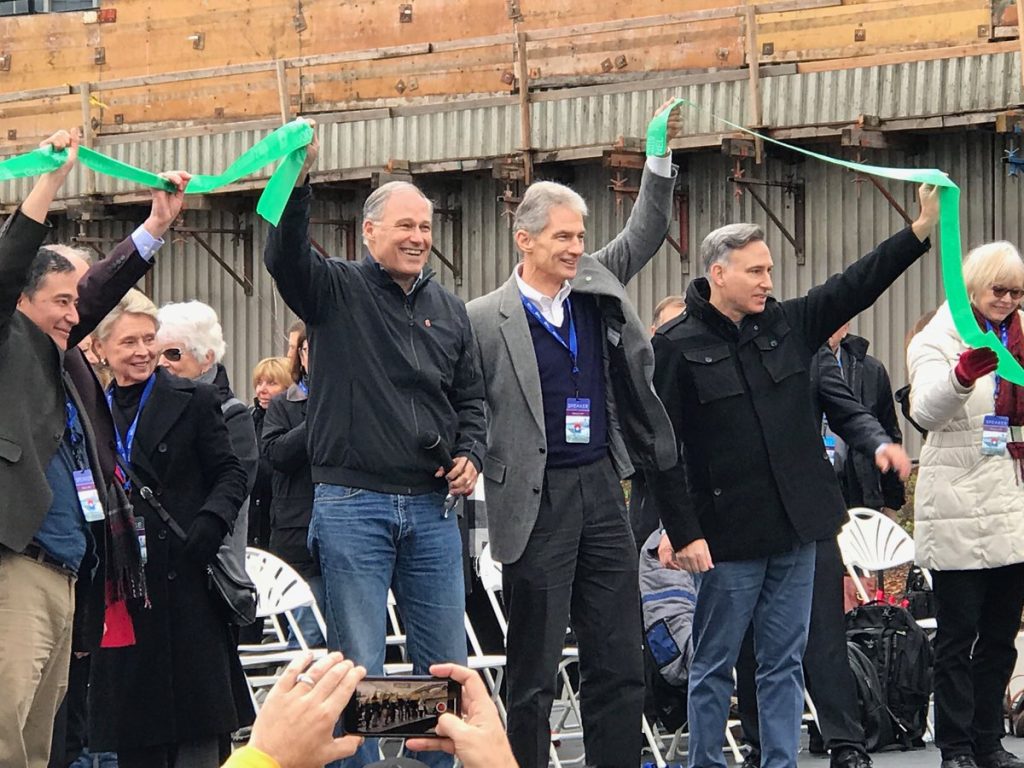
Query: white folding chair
x: 280, y: 592
x: 872, y: 542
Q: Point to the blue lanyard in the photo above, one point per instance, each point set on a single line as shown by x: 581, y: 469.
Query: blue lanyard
x: 304, y: 387
x: 572, y: 346
x: 124, y: 447
x: 1004, y: 336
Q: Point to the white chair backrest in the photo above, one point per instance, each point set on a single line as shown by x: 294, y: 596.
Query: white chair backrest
x: 279, y: 588
x: 490, y: 571
x: 872, y: 541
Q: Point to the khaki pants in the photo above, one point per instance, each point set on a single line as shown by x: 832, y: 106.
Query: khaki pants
x: 37, y: 607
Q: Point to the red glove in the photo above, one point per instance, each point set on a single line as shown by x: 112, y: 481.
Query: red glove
x: 975, y: 363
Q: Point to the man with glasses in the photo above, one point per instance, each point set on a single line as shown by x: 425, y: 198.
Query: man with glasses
x: 393, y: 369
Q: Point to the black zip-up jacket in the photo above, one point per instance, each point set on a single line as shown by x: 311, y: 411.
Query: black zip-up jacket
x: 385, y: 367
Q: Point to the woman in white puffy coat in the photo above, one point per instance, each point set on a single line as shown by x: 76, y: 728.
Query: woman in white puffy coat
x: 969, y: 508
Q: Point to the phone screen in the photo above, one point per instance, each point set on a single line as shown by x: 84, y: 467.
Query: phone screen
x: 401, y: 706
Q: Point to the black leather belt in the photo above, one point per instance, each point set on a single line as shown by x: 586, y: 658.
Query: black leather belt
x: 35, y: 552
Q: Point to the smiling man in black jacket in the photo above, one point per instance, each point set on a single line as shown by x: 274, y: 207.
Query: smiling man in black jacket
x: 755, y: 489
x: 392, y: 358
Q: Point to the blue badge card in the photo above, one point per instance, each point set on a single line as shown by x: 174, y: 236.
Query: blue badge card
x: 577, y: 420
x: 88, y: 497
x: 995, y: 432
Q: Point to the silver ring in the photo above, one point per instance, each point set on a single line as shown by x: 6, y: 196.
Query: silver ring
x: 304, y: 678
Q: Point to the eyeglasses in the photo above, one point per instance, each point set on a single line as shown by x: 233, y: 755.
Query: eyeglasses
x: 1015, y: 293
x: 173, y: 354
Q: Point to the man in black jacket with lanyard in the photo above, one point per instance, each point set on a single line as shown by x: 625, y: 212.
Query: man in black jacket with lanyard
x: 755, y: 489
x: 393, y: 366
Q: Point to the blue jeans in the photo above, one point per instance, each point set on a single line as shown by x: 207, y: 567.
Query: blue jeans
x: 774, y: 592
x: 368, y: 542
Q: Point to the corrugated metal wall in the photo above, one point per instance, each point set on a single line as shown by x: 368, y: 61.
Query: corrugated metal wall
x: 844, y: 219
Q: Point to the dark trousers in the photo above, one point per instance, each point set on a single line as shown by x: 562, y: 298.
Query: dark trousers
x: 978, y: 614
x: 827, y: 672
x: 579, y: 568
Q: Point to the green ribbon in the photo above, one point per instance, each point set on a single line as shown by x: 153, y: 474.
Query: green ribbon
x: 949, y: 235
x: 287, y: 144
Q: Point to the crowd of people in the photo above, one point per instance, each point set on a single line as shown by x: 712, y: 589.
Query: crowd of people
x: 748, y: 424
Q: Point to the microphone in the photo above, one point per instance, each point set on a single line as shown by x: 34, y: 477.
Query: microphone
x: 436, y: 448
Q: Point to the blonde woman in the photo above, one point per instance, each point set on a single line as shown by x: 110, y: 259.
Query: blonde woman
x: 270, y: 377
x: 969, y: 507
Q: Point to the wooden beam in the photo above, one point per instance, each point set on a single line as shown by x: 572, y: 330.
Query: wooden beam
x: 902, y: 57
x: 38, y: 93
x: 88, y: 139
x: 1020, y: 39
x: 754, y: 93
x: 282, y: 92
x: 524, y: 106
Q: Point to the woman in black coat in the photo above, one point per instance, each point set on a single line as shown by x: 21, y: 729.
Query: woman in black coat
x: 283, y: 443
x: 173, y: 697
x: 271, y: 377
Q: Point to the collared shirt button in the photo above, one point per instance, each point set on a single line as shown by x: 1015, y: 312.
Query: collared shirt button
x: 588, y: 278
x: 757, y: 327
x: 162, y: 448
x: 717, y: 491
x: 774, y: 343
x: 707, y: 359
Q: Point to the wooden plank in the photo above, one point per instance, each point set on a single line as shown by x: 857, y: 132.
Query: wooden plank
x: 524, y: 106
x: 875, y: 27
x: 37, y: 93
x: 282, y: 92
x: 884, y: 59
x: 1020, y: 39
x: 754, y: 93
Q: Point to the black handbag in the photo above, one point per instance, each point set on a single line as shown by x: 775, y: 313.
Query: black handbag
x: 227, y: 578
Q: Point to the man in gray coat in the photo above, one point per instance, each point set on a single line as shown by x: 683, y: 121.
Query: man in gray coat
x: 567, y: 367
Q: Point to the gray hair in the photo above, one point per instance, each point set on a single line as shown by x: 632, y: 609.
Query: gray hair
x: 719, y: 244
x: 373, y: 208
x: 533, y: 213
x: 195, y: 324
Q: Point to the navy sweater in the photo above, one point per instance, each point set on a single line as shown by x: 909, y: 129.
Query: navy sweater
x: 557, y: 383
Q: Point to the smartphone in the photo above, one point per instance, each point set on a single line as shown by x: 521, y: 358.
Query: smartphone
x: 401, y: 706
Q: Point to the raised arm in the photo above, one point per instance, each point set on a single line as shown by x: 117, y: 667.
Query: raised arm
x: 829, y: 305
x: 25, y: 229
x: 306, y: 281
x: 109, y: 279
x: 651, y: 216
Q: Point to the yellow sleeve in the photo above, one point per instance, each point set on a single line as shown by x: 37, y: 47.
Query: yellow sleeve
x: 250, y: 757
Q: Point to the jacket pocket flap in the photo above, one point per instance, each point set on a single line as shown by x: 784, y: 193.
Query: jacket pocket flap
x: 494, y: 469
x: 9, y: 450
x: 708, y: 355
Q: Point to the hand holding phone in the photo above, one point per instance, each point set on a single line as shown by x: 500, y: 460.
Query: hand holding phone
x: 401, y: 706
x: 478, y: 738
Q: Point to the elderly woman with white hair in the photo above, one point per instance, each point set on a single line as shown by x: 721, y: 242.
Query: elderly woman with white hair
x: 191, y: 344
x: 174, y: 695
x: 969, y: 507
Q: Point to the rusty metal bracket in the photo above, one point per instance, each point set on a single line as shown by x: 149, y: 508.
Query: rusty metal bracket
x: 348, y: 228
x: 238, y: 233
x: 620, y: 187
x: 452, y: 213
x: 796, y: 238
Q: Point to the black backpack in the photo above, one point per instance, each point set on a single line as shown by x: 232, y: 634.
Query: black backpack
x: 902, y: 656
x: 874, y: 714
